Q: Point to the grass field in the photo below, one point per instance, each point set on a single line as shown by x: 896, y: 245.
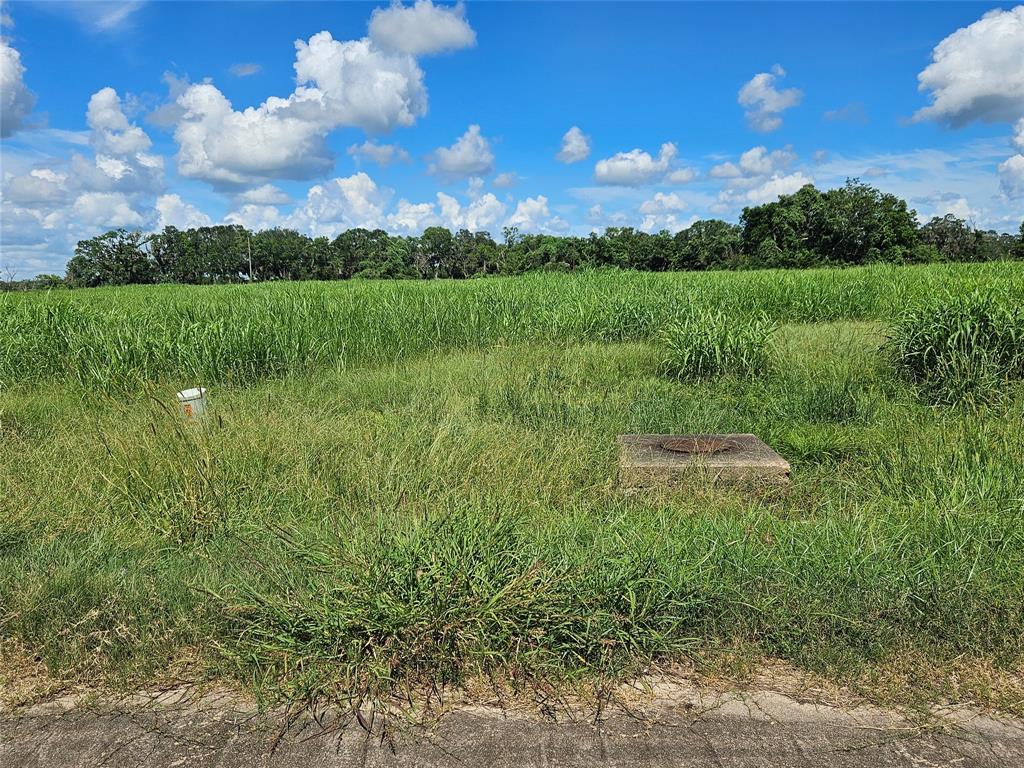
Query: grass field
x: 408, y: 483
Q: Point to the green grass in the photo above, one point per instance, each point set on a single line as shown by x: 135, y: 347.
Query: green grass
x: 443, y: 506
x: 961, y: 348
x: 709, y: 343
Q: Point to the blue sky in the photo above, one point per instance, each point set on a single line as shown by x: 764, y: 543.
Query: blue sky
x: 557, y: 117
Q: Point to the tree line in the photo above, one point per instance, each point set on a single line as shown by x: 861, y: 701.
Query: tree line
x: 851, y: 225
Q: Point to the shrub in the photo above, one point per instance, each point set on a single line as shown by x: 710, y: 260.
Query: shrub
x: 960, y: 348
x: 712, y: 343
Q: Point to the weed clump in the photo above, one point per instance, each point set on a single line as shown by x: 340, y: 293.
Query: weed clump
x: 705, y: 344
x: 962, y: 348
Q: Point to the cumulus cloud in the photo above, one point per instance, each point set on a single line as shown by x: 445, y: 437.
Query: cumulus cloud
x: 112, y: 134
x: 106, y: 209
x: 218, y: 144
x: 778, y: 185
x: 1011, y: 177
x: 16, y: 100
x: 421, y: 29
x: 470, y: 155
x: 172, y: 211
x: 381, y: 154
x: 340, y: 204
x: 635, y: 167
x: 957, y: 206
x: 682, y: 176
x: 481, y: 214
x: 1018, y: 134
x: 977, y: 73
x: 342, y: 83
x: 755, y: 162
x: 663, y: 203
x: 255, y: 217
x: 357, y: 84
x: 765, y: 103
x: 247, y: 69
x: 412, y: 218
x: 575, y: 146
x: 670, y: 222
x: 506, y: 180
x: 266, y: 194
x: 533, y: 215
x: 38, y: 186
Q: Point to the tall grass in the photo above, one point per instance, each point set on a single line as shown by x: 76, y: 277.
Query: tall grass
x: 960, y: 347
x: 117, y: 339
x: 346, y: 529
x: 710, y: 343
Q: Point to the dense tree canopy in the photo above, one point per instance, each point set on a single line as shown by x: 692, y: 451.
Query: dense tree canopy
x: 854, y: 224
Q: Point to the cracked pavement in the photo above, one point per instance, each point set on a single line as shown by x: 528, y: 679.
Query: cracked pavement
x: 676, y: 725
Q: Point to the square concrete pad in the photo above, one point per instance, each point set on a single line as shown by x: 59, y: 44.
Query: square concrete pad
x: 644, y: 462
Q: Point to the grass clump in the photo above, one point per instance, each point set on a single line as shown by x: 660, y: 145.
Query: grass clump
x: 962, y: 348
x: 711, y: 343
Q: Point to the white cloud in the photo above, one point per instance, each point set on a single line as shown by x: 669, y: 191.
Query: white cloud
x: 666, y: 221
x: 1011, y: 177
x: 635, y: 167
x: 16, y: 100
x: 420, y: 29
x: 682, y: 176
x: 255, y: 217
x: 357, y: 84
x: 776, y: 186
x: 480, y: 215
x: 758, y: 190
x: 977, y: 73
x: 38, y: 186
x: 575, y: 146
x: 764, y: 103
x: 266, y: 194
x: 532, y: 215
x: 1018, y: 134
x: 121, y: 162
x: 172, y: 211
x: 474, y: 187
x: 755, y: 162
x: 247, y: 69
x: 381, y: 154
x: 959, y: 207
x: 470, y: 155
x: 106, y: 209
x: 218, y: 144
x: 340, y: 204
x: 506, y: 180
x: 663, y: 203
x: 758, y: 161
x: 412, y: 218
x: 350, y: 83
x: 112, y: 134
x: 727, y: 170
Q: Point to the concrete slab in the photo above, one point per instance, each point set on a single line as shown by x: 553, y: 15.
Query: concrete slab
x: 680, y: 726
x: 666, y: 460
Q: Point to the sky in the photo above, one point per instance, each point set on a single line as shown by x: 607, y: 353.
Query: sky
x: 551, y: 117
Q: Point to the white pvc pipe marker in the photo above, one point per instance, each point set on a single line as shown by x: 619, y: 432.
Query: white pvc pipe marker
x: 192, y: 402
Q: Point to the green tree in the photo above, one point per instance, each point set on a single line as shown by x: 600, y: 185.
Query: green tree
x: 707, y: 244
x: 114, y: 258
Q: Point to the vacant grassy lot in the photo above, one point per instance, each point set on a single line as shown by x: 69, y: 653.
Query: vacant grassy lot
x: 403, y: 483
